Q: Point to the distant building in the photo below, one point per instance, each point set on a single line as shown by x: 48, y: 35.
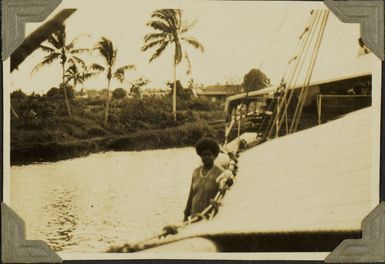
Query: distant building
x: 81, y: 93
x: 95, y: 94
x: 220, y: 92
x: 155, y: 92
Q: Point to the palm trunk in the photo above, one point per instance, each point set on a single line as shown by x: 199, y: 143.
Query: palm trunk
x: 107, y: 104
x: 174, y: 94
x: 67, y: 103
x: 14, y: 113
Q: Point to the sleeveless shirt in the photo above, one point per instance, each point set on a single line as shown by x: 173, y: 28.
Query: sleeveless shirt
x: 203, y: 189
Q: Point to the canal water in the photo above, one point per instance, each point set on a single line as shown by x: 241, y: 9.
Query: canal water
x: 91, y: 203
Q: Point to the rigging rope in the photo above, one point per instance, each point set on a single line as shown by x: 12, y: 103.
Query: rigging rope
x: 271, y: 44
x: 225, y: 180
x: 294, y: 57
x: 299, y: 70
x: 305, y: 88
x: 295, y: 73
x: 238, y: 112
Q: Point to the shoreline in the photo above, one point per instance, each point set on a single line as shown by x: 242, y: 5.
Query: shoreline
x: 175, y: 137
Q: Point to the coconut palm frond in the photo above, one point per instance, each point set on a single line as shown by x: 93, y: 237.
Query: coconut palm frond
x: 120, y: 73
x: 71, y: 45
x: 186, y: 27
x: 155, y: 36
x: 127, y: 67
x: 47, y: 60
x: 178, y: 52
x: 58, y: 38
x: 169, y: 16
x: 120, y: 76
x: 78, y: 79
x: 52, y: 39
x: 80, y: 61
x: 173, y: 18
x: 71, y: 62
x: 52, y: 56
x: 72, y: 68
x: 177, y: 16
x: 187, y: 58
x: 46, y: 48
x: 196, y: 44
x: 72, y: 73
x: 77, y: 51
x: 169, y: 28
x: 159, y: 51
x: 160, y: 25
x: 153, y: 44
x: 97, y: 67
x: 113, y: 59
x: 162, y: 14
x: 81, y: 79
x: 106, y: 49
x: 88, y: 75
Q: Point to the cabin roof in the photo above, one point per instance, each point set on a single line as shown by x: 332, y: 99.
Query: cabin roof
x: 221, y: 90
x: 357, y: 67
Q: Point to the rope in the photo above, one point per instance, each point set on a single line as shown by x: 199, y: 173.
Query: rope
x: 302, y: 62
x: 226, y: 181
x: 239, y: 127
x: 295, y: 73
x: 260, y: 66
x: 305, y: 88
x: 209, y: 212
x: 283, y: 85
x: 296, y: 58
x: 273, y: 39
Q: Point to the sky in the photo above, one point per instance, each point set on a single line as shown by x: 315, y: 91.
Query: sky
x: 236, y: 35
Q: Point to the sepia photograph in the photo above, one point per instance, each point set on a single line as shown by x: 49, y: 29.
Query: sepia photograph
x: 162, y: 127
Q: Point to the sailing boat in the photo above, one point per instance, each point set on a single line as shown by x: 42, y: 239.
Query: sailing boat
x: 304, y: 185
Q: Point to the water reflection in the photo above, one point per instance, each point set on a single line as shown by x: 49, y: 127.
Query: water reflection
x: 91, y: 203
x: 62, y: 218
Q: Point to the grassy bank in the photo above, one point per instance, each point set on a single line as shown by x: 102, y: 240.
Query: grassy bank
x: 43, y: 131
x: 181, y: 136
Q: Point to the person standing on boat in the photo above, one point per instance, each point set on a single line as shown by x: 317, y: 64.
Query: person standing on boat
x: 204, y: 185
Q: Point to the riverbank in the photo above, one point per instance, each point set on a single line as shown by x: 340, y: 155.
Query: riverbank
x: 43, y: 131
x: 175, y: 137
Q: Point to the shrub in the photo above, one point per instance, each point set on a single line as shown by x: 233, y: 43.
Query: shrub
x: 18, y: 95
x: 156, y: 112
x: 119, y: 93
x: 185, y: 135
x: 53, y: 92
x: 59, y: 92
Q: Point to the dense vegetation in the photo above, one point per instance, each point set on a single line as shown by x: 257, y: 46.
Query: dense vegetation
x: 41, y: 129
x: 63, y: 123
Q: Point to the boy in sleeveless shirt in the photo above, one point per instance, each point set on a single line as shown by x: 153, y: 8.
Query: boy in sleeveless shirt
x: 203, y: 185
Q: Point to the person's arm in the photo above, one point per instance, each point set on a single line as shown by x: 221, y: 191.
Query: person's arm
x: 224, y: 179
x: 187, y: 211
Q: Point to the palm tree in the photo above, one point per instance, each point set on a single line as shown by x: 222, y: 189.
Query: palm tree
x: 58, y: 49
x: 169, y: 29
x: 76, y: 76
x: 106, y: 49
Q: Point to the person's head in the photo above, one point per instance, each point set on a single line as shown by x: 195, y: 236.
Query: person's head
x: 208, y: 149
